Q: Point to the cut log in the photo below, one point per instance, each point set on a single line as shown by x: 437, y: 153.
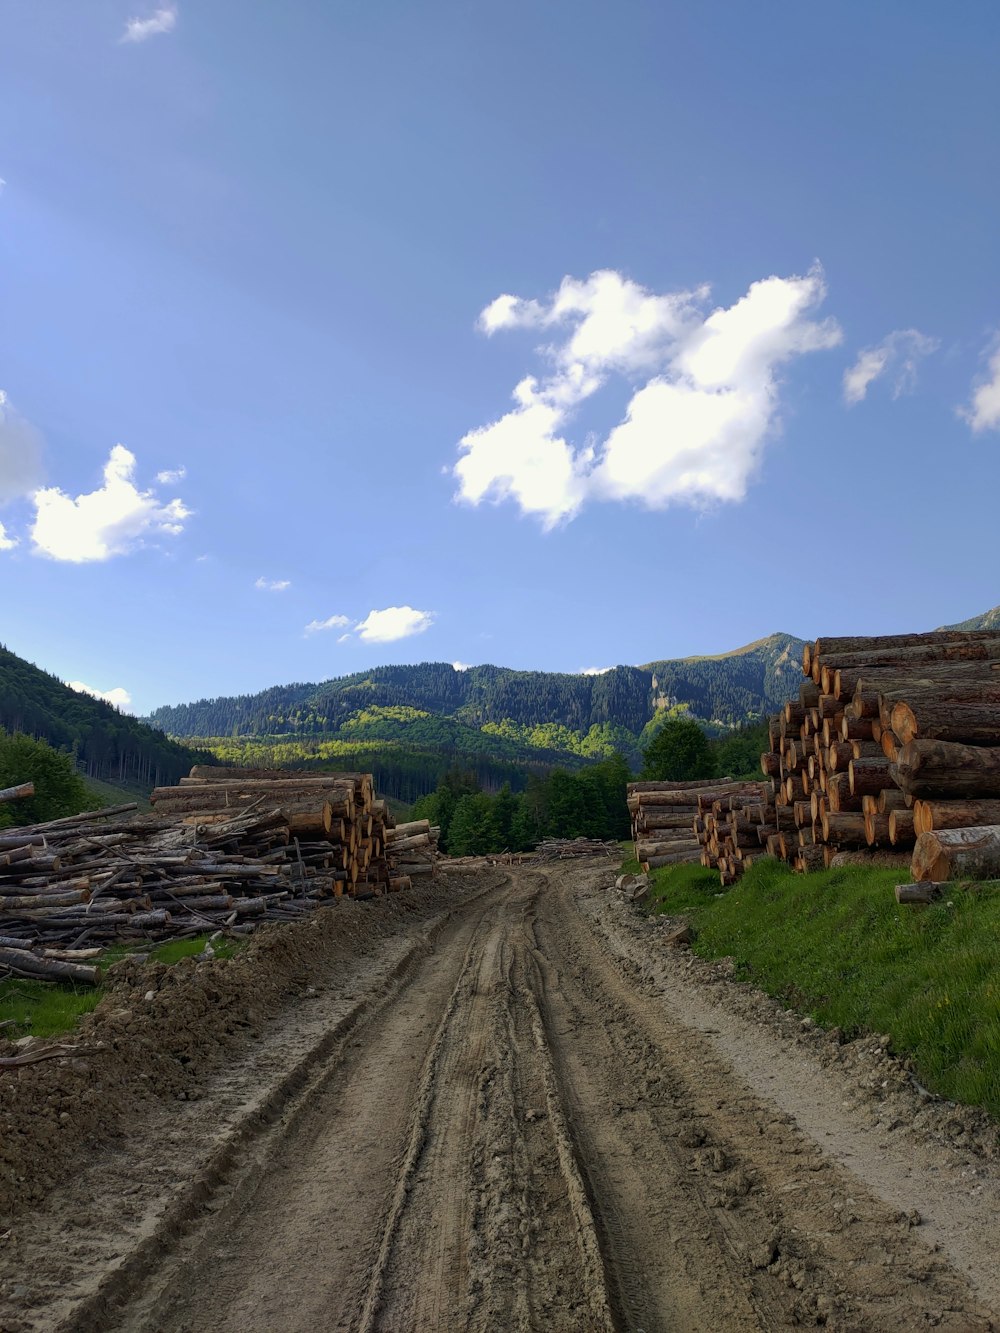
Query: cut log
x: 962, y: 853
x: 931, y: 816
x: 902, y: 832
x: 919, y: 894
x: 889, y: 799
x: 19, y: 793
x: 969, y: 724
x: 847, y: 830
x: 945, y: 768
x: 26, y: 964
x: 877, y: 829
x: 870, y: 856
x: 868, y: 776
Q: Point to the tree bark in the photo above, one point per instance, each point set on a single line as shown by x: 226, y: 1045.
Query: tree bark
x: 945, y: 768
x: 869, y: 776
x: 19, y: 793
x: 961, y: 853
x: 967, y: 723
x: 902, y: 831
x: 932, y: 816
x: 919, y: 894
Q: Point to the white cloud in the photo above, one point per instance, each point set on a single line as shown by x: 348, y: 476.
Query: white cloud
x: 394, y: 622
x: 6, y: 543
x: 160, y: 21
x: 899, y: 351
x: 694, y: 429
x: 983, y: 413
x: 119, y: 696
x: 272, y: 585
x: 596, y: 671
x: 105, y: 523
x: 331, y: 622
x: 20, y: 453
x: 169, y: 476
x: 343, y: 638
x: 462, y: 666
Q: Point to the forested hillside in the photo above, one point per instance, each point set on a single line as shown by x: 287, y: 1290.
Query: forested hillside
x: 107, y: 744
x: 410, y: 725
x: 727, y: 689
x: 988, y: 620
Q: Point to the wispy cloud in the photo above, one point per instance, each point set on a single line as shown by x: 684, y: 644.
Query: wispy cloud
x: 462, y: 666
x: 392, y: 623
x: 692, y: 433
x: 898, y: 354
x: 107, y: 522
x: 272, y: 585
x: 331, y: 622
x: 983, y: 412
x: 6, y: 543
x: 162, y: 20
x: 596, y: 671
x: 170, y: 476
x: 119, y: 696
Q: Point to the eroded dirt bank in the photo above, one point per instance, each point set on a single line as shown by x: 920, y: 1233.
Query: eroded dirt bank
x: 523, y: 1113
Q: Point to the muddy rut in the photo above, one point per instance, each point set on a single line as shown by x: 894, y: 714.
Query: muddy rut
x: 500, y: 1126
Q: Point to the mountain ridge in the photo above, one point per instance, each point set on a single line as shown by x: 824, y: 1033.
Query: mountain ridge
x: 726, y: 689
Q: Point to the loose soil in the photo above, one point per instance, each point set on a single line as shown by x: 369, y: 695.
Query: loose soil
x: 500, y: 1103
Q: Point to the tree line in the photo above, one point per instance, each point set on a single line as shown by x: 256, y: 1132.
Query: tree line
x: 104, y: 742
x: 590, y: 803
x: 473, y: 822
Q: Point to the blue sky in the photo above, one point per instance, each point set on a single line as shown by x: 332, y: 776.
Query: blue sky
x: 548, y: 335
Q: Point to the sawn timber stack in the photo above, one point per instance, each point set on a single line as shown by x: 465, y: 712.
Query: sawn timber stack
x: 893, y: 739
x: 673, y: 823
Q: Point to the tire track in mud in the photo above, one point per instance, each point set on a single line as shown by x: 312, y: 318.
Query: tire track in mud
x: 714, y: 1211
x: 503, y: 1131
x: 490, y: 1227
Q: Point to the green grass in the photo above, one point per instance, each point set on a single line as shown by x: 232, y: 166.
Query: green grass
x: 46, y: 1009
x: 110, y: 793
x: 35, y: 1008
x: 836, y: 945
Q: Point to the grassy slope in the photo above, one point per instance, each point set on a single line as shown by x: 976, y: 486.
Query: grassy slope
x: 837, y: 946
x: 109, y: 793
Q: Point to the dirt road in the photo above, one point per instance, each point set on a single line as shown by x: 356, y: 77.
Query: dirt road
x: 516, y: 1120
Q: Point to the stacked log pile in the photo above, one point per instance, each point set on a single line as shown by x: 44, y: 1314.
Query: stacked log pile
x: 411, y: 851
x: 335, y: 824
x: 567, y: 849
x: 221, y: 850
x: 677, y: 823
x: 891, y: 738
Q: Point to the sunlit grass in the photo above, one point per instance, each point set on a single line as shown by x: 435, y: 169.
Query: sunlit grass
x: 836, y: 945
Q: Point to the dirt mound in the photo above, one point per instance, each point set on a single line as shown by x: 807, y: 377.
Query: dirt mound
x: 160, y: 1028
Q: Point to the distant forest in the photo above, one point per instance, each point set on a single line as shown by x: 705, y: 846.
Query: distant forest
x: 728, y: 689
x: 105, y: 743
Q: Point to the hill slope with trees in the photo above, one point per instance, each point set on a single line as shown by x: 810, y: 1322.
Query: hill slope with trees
x: 105, y: 743
x: 411, y: 725
x: 727, y: 689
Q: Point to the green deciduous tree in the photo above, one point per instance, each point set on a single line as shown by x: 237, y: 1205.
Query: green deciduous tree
x: 680, y: 750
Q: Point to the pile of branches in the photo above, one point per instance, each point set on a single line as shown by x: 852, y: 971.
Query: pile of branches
x: 565, y: 849
x: 220, y: 852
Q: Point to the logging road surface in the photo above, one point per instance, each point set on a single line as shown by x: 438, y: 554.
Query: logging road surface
x: 523, y: 1128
